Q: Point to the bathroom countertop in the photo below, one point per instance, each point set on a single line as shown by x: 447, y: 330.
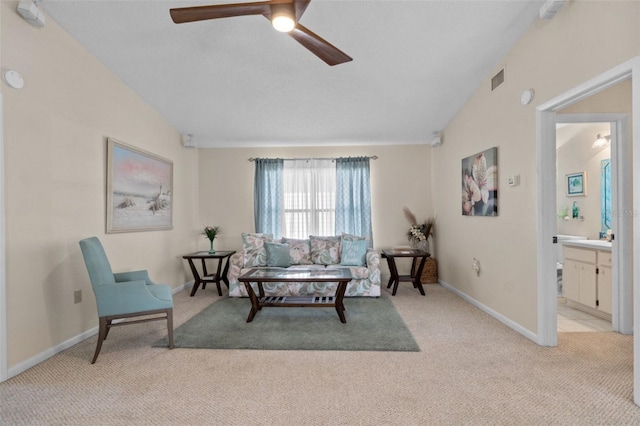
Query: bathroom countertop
x: 590, y: 244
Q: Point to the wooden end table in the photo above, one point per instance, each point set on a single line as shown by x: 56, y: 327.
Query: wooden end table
x: 216, y: 277
x: 259, y: 276
x: 414, y: 277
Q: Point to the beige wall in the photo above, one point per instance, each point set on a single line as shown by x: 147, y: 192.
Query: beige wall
x: 399, y: 177
x: 615, y: 99
x: 55, y: 152
x: 553, y: 57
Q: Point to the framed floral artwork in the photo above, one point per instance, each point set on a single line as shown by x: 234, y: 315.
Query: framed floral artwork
x: 480, y: 184
x: 576, y: 184
x: 139, y: 189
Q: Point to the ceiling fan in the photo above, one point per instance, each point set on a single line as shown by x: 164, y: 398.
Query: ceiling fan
x: 284, y: 16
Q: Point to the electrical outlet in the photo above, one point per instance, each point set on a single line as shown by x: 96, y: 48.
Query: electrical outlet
x: 476, y: 266
x: 77, y: 296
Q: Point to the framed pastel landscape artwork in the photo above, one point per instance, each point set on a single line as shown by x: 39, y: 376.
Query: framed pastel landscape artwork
x: 139, y: 189
x: 480, y: 184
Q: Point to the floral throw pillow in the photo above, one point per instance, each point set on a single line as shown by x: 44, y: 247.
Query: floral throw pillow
x: 255, y: 253
x: 299, y: 250
x: 325, y: 250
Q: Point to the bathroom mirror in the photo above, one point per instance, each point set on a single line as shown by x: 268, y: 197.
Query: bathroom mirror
x: 605, y: 196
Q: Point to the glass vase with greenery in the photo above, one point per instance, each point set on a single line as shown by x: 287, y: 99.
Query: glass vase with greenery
x: 211, y: 232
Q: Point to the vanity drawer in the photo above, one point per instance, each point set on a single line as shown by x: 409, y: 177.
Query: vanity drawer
x: 604, y: 258
x: 583, y: 255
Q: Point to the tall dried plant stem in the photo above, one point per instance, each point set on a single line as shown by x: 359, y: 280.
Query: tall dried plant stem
x: 410, y: 216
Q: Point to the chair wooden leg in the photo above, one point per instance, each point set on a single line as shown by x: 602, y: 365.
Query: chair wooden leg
x: 108, y: 328
x: 170, y: 326
x: 102, y: 334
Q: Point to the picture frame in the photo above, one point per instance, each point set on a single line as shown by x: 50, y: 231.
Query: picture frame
x: 480, y: 183
x: 139, y: 189
x: 576, y: 184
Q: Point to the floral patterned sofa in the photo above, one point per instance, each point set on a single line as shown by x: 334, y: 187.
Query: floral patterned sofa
x: 345, y: 251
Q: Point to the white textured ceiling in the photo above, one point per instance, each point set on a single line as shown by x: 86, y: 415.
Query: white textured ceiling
x: 237, y: 82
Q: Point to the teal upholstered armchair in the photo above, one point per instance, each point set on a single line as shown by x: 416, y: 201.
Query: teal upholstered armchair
x: 124, y: 295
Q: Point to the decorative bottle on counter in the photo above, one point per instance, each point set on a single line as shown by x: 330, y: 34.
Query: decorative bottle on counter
x: 574, y: 210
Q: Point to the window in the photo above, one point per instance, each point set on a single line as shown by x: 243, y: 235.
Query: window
x: 302, y: 197
x: 309, y: 188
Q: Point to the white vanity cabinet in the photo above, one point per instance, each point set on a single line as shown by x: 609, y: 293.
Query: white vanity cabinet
x: 579, y: 276
x: 586, y: 277
x: 604, y: 281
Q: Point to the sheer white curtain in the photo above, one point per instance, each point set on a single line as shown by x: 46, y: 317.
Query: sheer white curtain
x: 309, y: 187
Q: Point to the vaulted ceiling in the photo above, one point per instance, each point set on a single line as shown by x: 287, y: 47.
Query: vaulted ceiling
x: 236, y: 82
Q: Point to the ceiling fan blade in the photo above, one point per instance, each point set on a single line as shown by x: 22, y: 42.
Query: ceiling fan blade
x: 300, y: 6
x: 319, y: 46
x: 201, y: 13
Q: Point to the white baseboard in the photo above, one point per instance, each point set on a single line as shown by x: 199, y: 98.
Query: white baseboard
x: 183, y: 286
x: 506, y: 321
x: 43, y: 356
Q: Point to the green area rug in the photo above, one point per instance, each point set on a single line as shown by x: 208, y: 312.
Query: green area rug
x: 372, y: 325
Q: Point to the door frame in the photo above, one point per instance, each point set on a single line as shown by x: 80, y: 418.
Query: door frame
x: 3, y: 262
x: 546, y: 206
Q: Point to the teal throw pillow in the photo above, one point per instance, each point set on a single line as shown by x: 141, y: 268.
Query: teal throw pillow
x: 352, y: 237
x: 278, y: 255
x: 353, y: 253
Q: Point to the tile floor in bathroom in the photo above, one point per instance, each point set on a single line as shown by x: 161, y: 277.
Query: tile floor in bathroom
x: 570, y: 319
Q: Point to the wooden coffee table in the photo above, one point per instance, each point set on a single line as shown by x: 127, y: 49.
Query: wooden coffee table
x: 259, y: 276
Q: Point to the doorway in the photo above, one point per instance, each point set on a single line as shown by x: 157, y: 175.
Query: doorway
x: 582, y: 222
x: 546, y: 208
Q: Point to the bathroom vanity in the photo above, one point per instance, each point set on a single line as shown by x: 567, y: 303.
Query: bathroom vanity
x: 586, y: 276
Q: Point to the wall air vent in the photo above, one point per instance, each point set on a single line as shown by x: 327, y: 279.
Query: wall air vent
x: 497, y: 80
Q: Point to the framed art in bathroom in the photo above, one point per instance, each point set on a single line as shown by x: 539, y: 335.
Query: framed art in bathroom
x: 576, y: 184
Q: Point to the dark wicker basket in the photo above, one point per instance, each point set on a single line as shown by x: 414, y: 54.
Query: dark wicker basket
x: 430, y: 272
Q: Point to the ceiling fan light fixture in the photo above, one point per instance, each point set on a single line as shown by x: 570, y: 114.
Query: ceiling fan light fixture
x: 283, y: 23
x: 282, y: 18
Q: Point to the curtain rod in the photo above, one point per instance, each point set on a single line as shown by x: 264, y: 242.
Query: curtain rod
x: 373, y: 157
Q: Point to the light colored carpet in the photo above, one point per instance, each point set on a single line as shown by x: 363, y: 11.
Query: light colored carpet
x: 373, y: 324
x: 471, y: 370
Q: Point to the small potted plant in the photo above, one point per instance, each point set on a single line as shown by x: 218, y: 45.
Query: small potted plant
x: 211, y: 232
